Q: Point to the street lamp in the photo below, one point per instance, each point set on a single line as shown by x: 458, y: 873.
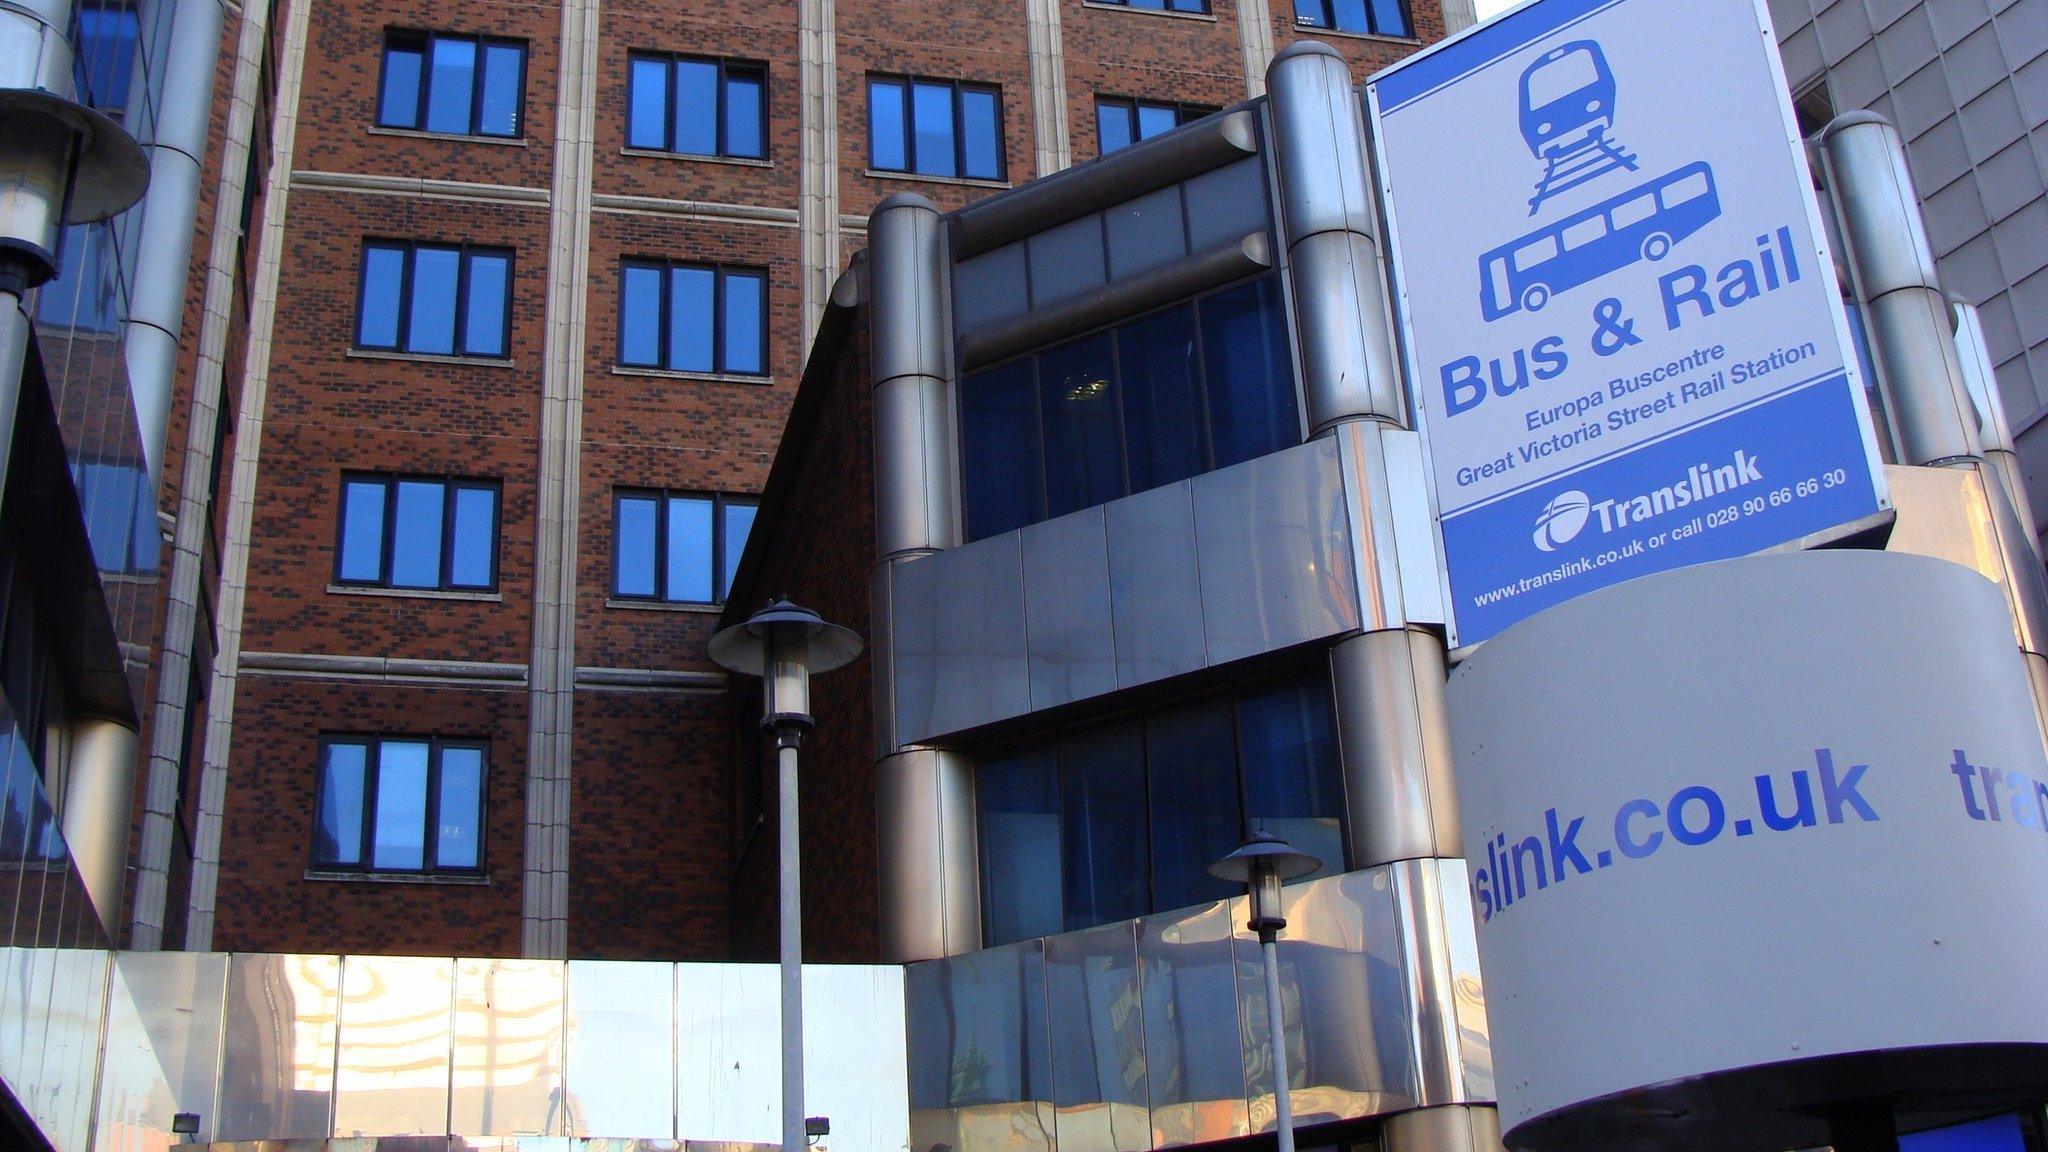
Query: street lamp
x: 783, y: 644
x: 1262, y: 864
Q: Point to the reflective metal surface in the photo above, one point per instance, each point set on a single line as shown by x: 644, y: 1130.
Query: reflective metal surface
x: 277, y: 1062
x: 391, y: 1074
x: 508, y: 1074
x: 1274, y: 553
x: 1194, y: 1070
x: 1071, y: 655
x: 99, y: 795
x: 929, y: 886
x: 979, y: 1057
x: 163, y: 1045
x: 1100, y: 1083
x: 620, y: 1038
x: 954, y: 611
x: 1154, y: 584
x: 1393, y: 733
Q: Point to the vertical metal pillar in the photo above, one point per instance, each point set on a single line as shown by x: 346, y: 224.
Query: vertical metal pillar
x: 99, y: 792
x: 1458, y: 1128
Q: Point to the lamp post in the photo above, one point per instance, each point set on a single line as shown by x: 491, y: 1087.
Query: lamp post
x: 783, y: 644
x: 1262, y: 864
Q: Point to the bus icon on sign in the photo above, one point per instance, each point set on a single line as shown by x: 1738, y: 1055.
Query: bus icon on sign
x: 1642, y: 223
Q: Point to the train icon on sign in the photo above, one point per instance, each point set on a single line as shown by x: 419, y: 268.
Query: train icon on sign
x: 1567, y: 113
x: 1643, y: 223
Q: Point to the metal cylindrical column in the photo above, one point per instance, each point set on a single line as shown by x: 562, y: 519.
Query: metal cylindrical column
x: 1394, y: 738
x: 99, y: 795
x: 930, y: 891
x: 1994, y: 431
x: 1459, y: 1128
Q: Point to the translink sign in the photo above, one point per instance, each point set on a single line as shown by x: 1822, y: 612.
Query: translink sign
x: 1622, y: 325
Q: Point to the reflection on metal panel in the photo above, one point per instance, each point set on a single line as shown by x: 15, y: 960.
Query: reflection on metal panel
x: 1275, y: 551
x: 1066, y: 609
x: 277, y: 1061
x: 1192, y: 1062
x: 1468, y: 993
x: 978, y: 1056
x: 1100, y: 1095
x: 728, y: 1061
x: 391, y: 1078
x: 162, y: 1048
x: 70, y: 1042
x: 854, y: 1056
x: 621, y: 1048
x: 507, y: 1078
x: 1156, y: 593
x: 961, y: 609
x: 136, y: 1104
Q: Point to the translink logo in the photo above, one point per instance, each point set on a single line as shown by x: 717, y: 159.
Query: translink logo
x: 1568, y: 513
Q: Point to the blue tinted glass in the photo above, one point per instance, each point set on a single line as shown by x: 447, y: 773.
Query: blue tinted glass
x: 398, y: 102
x: 475, y: 538
x: 1292, y: 789
x: 362, y: 531
x: 689, y: 319
x: 981, y: 134
x: 1077, y: 407
x: 1350, y: 15
x: 450, y: 85
x: 338, y: 834
x: 383, y: 277
x: 1102, y: 827
x: 633, y: 546
x: 886, y: 121
x: 697, y: 107
x: 1190, y: 5
x: 1000, y: 450
x: 932, y: 117
x: 458, y: 834
x: 1249, y: 373
x: 105, y: 59
x: 739, y: 521
x: 503, y: 91
x: 689, y: 550
x: 1310, y: 12
x: 1389, y: 18
x: 647, y: 101
x: 743, y: 101
x: 107, y: 492
x: 1113, y: 125
x: 1192, y: 766
x: 1147, y: 5
x: 148, y: 541
x: 640, y: 316
x: 1163, y: 427
x: 416, y: 535
x: 743, y: 292
x: 483, y: 332
x: 434, y: 277
x: 1154, y: 119
x: 400, y: 839
x: 1018, y: 801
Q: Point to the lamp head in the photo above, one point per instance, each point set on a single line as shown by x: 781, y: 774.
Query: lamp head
x: 1262, y: 864
x: 783, y: 644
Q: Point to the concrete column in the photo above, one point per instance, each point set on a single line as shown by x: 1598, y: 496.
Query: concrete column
x: 1255, y: 38
x: 99, y: 798
x: 818, y: 205
x: 1459, y: 15
x: 1457, y: 1128
x: 925, y: 817
x: 1049, y: 131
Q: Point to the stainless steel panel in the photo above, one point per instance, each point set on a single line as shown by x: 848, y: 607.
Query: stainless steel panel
x: 508, y: 1054
x: 1468, y: 989
x: 990, y: 287
x: 1426, y: 957
x: 1393, y: 735
x: 1873, y: 192
x: 1929, y: 405
x: 1318, y: 143
x: 1413, y: 527
x: 1066, y: 261
x: 910, y: 324
x: 1146, y: 233
x: 882, y: 653
x: 277, y: 1055
x: 959, y: 639
x: 1194, y: 1070
x: 915, y: 491
x: 391, y: 1076
x: 1101, y: 1097
x: 163, y: 1047
x: 928, y: 863
x: 854, y: 1056
x: 1274, y: 553
x: 729, y: 1052
x: 136, y: 1099
x: 620, y: 1036
x: 1454, y: 1128
x: 978, y: 1054
x: 62, y: 1100
x: 1347, y: 352
x: 99, y: 797
x: 1226, y: 205
x: 1066, y: 609
x: 1155, y: 593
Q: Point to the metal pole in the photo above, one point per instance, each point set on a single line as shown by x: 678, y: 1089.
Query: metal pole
x: 14, y: 330
x: 1283, y: 1104
x: 793, y: 1139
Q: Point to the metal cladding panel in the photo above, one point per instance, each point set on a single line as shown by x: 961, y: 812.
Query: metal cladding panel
x: 1776, y: 787
x: 1101, y: 1094
x: 729, y: 1052
x: 1154, y: 586
x: 1192, y: 1061
x: 507, y: 1048
x: 163, y: 1044
x: 620, y: 1041
x: 277, y: 1050
x: 955, y: 611
x: 979, y: 1054
x: 855, y: 1059
x: 1067, y: 609
x: 392, y: 1075
x: 1273, y: 547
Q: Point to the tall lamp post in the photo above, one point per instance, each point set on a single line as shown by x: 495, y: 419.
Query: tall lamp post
x: 783, y: 644
x: 1262, y: 864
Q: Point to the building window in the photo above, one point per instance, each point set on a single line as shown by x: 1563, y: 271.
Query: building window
x: 1121, y: 123
x: 935, y: 127
x: 697, y: 106
x: 418, y: 532
x: 1123, y: 819
x: 1373, y: 17
x: 693, y: 317
x: 104, y: 64
x: 1161, y: 5
x: 460, y: 85
x: 1199, y: 386
x: 400, y: 804
x: 437, y: 299
x: 677, y: 547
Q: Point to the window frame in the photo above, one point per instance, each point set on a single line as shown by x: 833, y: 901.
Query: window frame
x: 662, y: 497
x: 725, y: 65
x: 957, y: 87
x: 424, y: 40
x: 1327, y: 20
x: 1184, y: 113
x: 373, y: 756
x: 388, y: 533
x: 664, y: 352
x: 466, y: 254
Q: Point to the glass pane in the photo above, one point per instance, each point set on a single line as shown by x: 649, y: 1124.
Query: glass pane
x: 1292, y: 785
x: 689, y: 319
x: 434, y: 278
x: 1192, y: 765
x: 504, y: 90
x: 1162, y: 408
x: 885, y: 124
x: 1000, y: 450
x: 1249, y: 373
x: 697, y: 107
x: 1113, y: 126
x: 1388, y: 18
x: 1190, y: 5
x: 338, y: 837
x: 362, y: 531
x: 401, y: 806
x: 640, y: 316
x: 1154, y: 119
x: 1077, y: 404
x: 1019, y: 801
x: 476, y: 538
x: 105, y: 62
x: 633, y: 547
x: 459, y: 834
x: 739, y: 521
x: 451, y: 85
x: 483, y: 332
x: 743, y: 114
x: 398, y: 102
x: 1148, y: 5
x: 981, y: 133
x: 1102, y: 826
x: 647, y: 105
x: 932, y: 116
x: 689, y: 550
x: 383, y: 273
x: 416, y: 535
x: 1350, y: 15
x: 1310, y: 12
x: 743, y: 292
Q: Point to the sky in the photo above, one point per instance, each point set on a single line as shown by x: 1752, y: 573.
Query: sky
x: 1490, y: 7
